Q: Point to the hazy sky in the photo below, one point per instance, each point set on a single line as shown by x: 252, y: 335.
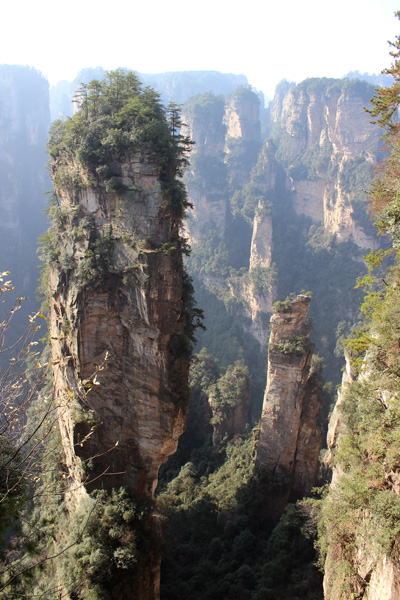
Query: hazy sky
x: 265, y: 40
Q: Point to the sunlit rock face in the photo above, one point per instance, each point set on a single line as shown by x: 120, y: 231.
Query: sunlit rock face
x: 290, y: 436
x: 242, y: 117
x: 125, y: 308
x: 327, y: 139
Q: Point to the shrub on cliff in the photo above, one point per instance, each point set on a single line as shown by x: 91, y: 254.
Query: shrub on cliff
x: 116, y: 117
x: 361, y: 513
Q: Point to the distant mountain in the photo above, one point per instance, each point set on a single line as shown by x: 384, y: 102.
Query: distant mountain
x: 376, y: 79
x: 179, y: 86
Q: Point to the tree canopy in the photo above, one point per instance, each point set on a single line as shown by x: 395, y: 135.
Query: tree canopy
x: 115, y: 118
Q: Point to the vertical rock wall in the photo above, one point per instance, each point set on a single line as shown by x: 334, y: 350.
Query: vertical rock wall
x: 371, y: 573
x: 290, y: 436
x: 132, y: 312
x: 326, y: 134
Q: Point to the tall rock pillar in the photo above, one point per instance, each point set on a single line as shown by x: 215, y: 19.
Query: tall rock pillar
x: 120, y: 303
x: 290, y: 436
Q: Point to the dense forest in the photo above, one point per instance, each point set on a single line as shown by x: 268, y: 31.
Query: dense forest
x: 233, y: 235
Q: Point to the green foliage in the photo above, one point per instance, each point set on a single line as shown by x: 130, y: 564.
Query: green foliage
x: 307, y: 258
x: 230, y: 390
x: 241, y: 157
x: 329, y: 86
x: 243, y: 93
x: 210, y: 255
x: 386, y: 100
x: 13, y: 485
x: 209, y: 175
x: 208, y: 110
x: 315, y: 161
x: 292, y: 347
x: 226, y: 339
x: 109, y: 538
x: 311, y: 164
x: 219, y: 546
x: 94, y: 267
x: 283, y: 305
x: 100, y: 548
x: 204, y: 372
x: 250, y: 201
x: 116, y: 118
x: 263, y: 278
x: 361, y: 512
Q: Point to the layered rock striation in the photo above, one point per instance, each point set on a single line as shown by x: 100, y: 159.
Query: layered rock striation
x: 328, y: 146
x: 291, y: 432
x: 120, y: 304
x: 116, y: 294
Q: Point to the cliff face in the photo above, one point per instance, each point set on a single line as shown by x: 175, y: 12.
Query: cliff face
x: 242, y: 116
x: 127, y: 304
x: 24, y: 123
x: 359, y: 514
x: 260, y: 301
x: 120, y: 312
x: 290, y: 436
x: 372, y: 574
x: 325, y: 134
x: 214, y: 123
x: 204, y: 125
x: 227, y: 134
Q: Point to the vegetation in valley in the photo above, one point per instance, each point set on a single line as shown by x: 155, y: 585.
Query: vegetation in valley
x: 220, y: 540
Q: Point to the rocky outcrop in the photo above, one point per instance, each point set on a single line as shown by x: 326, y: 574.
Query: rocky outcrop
x: 118, y: 292
x: 327, y: 110
x: 259, y: 299
x: 212, y: 122
x: 120, y: 314
x: 356, y: 563
x: 233, y: 422
x: 242, y: 115
x: 206, y: 178
x: 257, y: 305
x: 226, y: 132
x: 326, y: 133
x: 290, y: 436
x: 262, y: 235
x: 335, y: 426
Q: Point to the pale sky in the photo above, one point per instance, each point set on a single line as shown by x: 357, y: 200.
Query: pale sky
x: 265, y: 40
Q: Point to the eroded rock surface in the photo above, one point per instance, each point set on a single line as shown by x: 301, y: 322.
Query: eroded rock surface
x: 373, y: 574
x: 328, y: 143
x: 119, y: 293
x: 290, y: 436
